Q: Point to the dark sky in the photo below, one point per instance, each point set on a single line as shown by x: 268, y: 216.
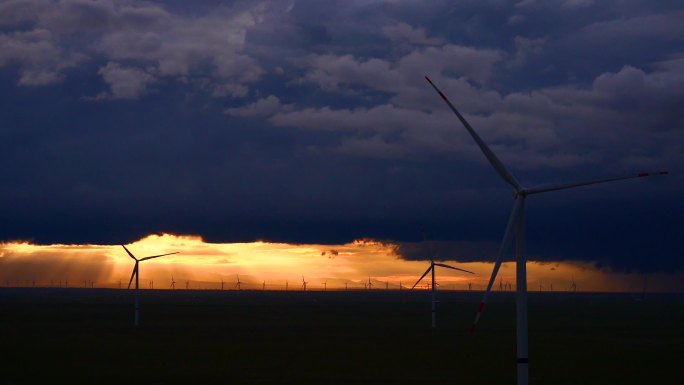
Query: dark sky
x: 310, y: 121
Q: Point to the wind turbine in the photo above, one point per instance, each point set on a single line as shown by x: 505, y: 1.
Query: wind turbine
x: 573, y: 286
x: 434, y: 285
x: 516, y: 228
x: 303, y: 283
x: 325, y: 286
x: 136, y: 275
x: 238, y: 285
x: 222, y: 283
x: 370, y: 284
x: 263, y: 285
x: 173, y: 283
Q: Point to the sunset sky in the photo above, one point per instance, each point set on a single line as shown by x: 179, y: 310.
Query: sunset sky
x: 266, y: 134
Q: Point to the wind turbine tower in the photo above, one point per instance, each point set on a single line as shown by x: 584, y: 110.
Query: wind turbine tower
x: 433, y: 285
x: 136, y: 275
x: 516, y: 229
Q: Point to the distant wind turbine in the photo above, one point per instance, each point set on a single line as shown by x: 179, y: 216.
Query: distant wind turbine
x: 136, y: 275
x: 516, y: 228
x: 173, y: 283
x: 303, y: 283
x: 370, y: 284
x: 573, y: 286
x: 238, y: 285
x: 431, y: 268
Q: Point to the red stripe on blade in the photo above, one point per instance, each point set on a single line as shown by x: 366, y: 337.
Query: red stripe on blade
x: 644, y: 174
x: 442, y: 95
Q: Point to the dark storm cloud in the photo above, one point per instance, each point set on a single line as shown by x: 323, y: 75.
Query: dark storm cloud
x: 307, y: 121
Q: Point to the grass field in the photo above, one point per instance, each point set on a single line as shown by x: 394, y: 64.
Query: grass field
x: 381, y: 337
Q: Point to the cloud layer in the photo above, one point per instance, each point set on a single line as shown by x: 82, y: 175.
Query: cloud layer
x: 305, y: 121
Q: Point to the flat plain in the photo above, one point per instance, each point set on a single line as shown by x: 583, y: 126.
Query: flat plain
x: 80, y: 336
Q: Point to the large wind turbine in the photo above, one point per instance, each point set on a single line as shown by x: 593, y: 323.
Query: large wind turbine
x: 434, y: 286
x: 516, y: 228
x: 136, y: 275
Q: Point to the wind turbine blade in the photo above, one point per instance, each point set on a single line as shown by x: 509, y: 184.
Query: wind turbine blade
x: 454, y: 268
x: 507, y: 238
x: 157, y: 256
x: 129, y: 253
x: 422, y: 276
x: 135, y: 271
x: 493, y: 160
x: 563, y: 186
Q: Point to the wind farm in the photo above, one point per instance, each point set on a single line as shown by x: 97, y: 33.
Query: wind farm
x: 294, y: 198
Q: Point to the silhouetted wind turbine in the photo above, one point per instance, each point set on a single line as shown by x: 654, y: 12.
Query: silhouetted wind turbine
x: 303, y: 283
x: 173, y: 283
x: 238, y: 285
x: 516, y: 228
x: 370, y: 284
x: 136, y: 275
x: 263, y: 286
x: 573, y: 286
x: 434, y: 286
x: 222, y: 283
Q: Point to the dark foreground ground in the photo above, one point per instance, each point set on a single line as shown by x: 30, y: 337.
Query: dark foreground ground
x: 81, y: 336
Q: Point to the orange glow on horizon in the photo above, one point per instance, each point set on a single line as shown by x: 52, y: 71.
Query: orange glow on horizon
x: 204, y: 265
